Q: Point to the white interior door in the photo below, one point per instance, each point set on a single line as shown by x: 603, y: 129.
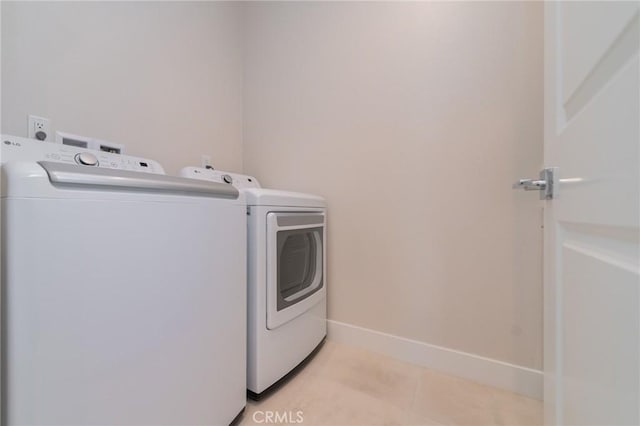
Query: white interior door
x: 592, y: 286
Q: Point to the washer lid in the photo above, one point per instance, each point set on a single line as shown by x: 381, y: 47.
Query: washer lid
x: 274, y: 197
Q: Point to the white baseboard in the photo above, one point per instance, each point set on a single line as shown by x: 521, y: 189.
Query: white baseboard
x: 487, y: 371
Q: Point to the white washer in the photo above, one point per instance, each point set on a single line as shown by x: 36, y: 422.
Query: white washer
x: 123, y: 302
x: 286, y: 276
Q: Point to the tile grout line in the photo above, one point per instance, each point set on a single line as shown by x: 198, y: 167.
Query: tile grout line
x: 411, y: 410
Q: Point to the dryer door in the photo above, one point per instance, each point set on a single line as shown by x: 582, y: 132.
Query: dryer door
x: 295, y: 264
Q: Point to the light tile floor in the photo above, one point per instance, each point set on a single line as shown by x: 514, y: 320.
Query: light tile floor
x: 344, y: 386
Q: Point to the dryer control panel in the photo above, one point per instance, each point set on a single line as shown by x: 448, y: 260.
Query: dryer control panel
x: 237, y: 180
x: 14, y: 148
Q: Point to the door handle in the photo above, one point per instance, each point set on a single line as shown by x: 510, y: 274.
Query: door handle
x: 530, y: 185
x: 544, y: 184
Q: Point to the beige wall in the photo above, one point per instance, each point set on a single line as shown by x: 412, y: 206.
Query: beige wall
x: 163, y: 78
x: 412, y: 119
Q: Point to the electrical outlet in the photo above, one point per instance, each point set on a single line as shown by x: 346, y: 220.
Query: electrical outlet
x: 39, y: 128
x: 206, y: 161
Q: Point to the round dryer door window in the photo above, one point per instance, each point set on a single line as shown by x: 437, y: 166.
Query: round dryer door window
x: 299, y: 265
x: 295, y: 264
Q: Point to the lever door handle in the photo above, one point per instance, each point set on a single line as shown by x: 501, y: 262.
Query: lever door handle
x: 544, y: 184
x: 530, y: 185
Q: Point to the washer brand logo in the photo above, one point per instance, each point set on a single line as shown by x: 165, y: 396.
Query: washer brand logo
x: 12, y: 143
x: 272, y: 417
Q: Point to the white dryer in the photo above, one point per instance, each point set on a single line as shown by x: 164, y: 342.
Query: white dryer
x: 286, y: 276
x: 122, y: 302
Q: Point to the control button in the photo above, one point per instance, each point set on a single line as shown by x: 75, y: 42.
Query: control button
x: 227, y: 179
x: 87, y: 159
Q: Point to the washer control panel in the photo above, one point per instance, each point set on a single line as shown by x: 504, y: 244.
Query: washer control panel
x: 14, y: 148
x: 237, y: 180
